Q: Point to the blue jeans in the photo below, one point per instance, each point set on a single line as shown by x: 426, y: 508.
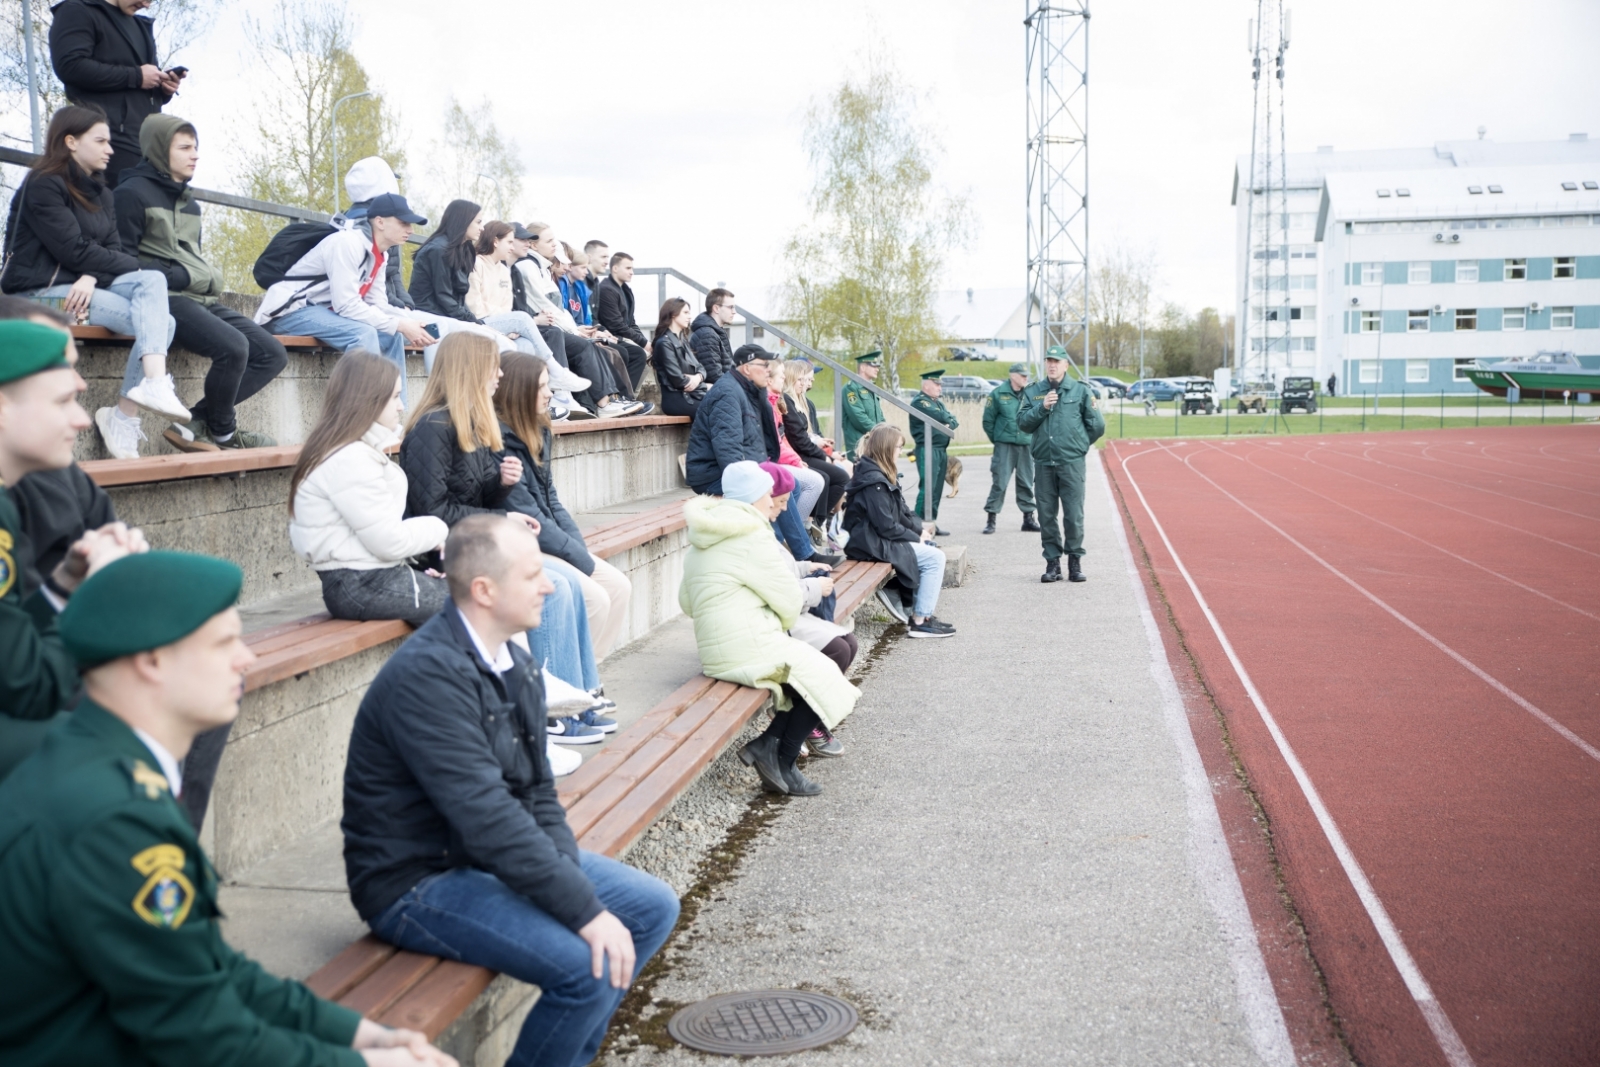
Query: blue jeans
x: 336, y: 331
x: 134, y: 304
x: 470, y: 916
x: 561, y: 642
x: 791, y: 527
x: 930, y: 570
x: 520, y: 323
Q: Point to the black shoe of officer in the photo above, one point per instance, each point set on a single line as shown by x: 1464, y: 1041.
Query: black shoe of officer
x: 762, y: 754
x: 989, y: 527
x: 799, y: 785
x: 937, y: 532
x: 1052, y: 571
x: 1029, y: 523
x: 1075, y: 569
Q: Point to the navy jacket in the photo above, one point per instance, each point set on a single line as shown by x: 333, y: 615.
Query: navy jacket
x: 733, y: 423
x: 447, y: 769
x: 535, y: 495
x: 711, y: 346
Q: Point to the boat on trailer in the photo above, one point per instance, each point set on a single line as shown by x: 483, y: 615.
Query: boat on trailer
x: 1551, y: 375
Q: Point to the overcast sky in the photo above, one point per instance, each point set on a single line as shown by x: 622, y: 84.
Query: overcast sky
x: 672, y: 128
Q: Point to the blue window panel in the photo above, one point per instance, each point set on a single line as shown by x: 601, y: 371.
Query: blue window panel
x: 1442, y: 321
x: 1395, y: 273
x: 1586, y: 316
x: 1444, y: 271
x: 1394, y: 321
x: 1347, y: 267
x: 1589, y: 266
x: 1538, y: 320
x: 1491, y: 270
x: 1540, y: 268
x: 1488, y: 318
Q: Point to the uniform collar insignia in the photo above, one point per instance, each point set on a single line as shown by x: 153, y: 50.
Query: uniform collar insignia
x: 154, y: 782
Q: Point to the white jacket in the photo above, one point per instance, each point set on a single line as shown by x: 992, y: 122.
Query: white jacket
x: 349, y: 513
x: 345, y: 260
x: 542, y: 292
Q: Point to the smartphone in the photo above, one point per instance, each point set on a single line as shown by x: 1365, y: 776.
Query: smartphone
x: 182, y: 72
x: 431, y: 329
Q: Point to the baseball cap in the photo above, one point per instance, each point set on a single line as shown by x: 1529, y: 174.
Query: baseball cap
x: 394, y: 206
x: 747, y: 353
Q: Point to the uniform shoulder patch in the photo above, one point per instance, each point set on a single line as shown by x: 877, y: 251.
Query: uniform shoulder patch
x: 153, y: 782
x: 167, y: 894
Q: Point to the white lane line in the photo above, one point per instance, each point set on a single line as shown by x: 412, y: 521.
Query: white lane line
x: 1214, y: 866
x: 1484, y: 676
x: 1478, y: 469
x: 1366, y: 456
x: 1444, y: 1032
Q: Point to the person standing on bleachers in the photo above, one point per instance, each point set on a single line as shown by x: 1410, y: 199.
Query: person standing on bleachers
x: 105, y: 54
x: 62, y: 248
x: 158, y: 220
x: 455, y: 842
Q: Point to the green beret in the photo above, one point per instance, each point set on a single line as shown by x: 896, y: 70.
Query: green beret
x: 939, y: 373
x: 144, y: 602
x: 869, y: 357
x: 28, y: 348
x: 1019, y: 368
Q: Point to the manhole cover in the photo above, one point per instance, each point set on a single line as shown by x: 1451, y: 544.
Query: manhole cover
x: 764, y: 1023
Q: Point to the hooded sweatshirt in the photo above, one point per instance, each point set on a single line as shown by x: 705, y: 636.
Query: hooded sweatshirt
x: 158, y: 217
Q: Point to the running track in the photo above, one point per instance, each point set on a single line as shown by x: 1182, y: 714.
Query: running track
x: 1402, y: 631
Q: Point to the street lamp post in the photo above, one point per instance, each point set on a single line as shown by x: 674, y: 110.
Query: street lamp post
x: 333, y: 122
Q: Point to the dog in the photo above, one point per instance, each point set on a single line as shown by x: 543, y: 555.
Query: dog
x: 952, y: 475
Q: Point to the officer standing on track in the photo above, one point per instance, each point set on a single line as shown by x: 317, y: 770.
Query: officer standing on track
x: 862, y: 410
x: 108, y: 906
x: 929, y: 404
x: 1011, y: 450
x: 1061, y: 416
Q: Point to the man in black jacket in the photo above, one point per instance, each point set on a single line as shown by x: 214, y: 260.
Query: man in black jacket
x: 708, y: 335
x: 455, y: 841
x: 104, y: 52
x: 614, y: 311
x: 158, y: 220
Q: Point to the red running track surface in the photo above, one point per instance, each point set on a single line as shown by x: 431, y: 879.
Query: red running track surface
x: 1419, y: 617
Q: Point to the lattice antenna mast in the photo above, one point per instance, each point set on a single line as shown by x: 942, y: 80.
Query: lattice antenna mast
x: 1266, y: 291
x: 1058, y: 180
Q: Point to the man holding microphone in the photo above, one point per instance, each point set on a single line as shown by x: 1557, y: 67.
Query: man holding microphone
x: 1061, y: 416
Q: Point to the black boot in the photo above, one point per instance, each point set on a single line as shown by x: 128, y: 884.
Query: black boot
x: 1029, y: 523
x: 1075, y: 569
x: 799, y: 785
x: 1052, y: 570
x: 762, y: 754
x: 989, y: 527
x: 937, y: 532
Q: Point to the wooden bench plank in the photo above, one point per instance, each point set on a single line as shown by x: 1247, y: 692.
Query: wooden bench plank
x: 388, y: 982
x: 350, y: 967
x: 626, y: 742
x: 176, y: 465
x: 286, y: 627
x: 435, y: 1001
x: 299, y: 658
x: 615, y: 538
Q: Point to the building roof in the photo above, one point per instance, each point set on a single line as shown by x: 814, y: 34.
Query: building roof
x: 976, y: 314
x: 1444, y: 194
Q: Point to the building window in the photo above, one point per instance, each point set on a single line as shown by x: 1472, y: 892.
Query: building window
x: 1466, y: 318
x: 1561, y: 318
x: 1420, y: 272
x: 1458, y: 373
x: 1516, y: 270
x: 1514, y: 319
x: 1369, y: 371
x: 1302, y: 251
x: 1372, y: 274
x: 1417, y: 321
x: 1303, y: 282
x: 1565, y: 267
x: 1371, y: 322
x: 1416, y: 371
x: 759, y: 332
x: 1302, y: 344
x: 1307, y: 312
x: 1466, y: 270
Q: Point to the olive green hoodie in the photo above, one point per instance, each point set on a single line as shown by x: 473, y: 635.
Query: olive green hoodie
x: 158, y: 217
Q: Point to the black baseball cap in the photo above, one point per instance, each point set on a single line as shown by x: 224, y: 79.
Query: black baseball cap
x: 749, y: 353
x: 394, y: 206
x: 522, y: 233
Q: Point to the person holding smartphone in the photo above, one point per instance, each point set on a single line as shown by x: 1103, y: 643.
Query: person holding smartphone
x: 1061, y: 416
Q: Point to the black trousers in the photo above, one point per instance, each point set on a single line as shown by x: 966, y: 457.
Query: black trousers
x: 244, y: 357
x: 200, y: 772
x: 635, y: 358
x: 581, y: 357
x: 621, y: 371
x: 792, y: 727
x: 674, y: 402
x: 832, y: 493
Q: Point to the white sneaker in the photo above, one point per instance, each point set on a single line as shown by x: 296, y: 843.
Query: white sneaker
x: 159, y: 396
x: 562, y: 762
x: 579, y: 413
x: 614, y: 410
x: 558, y: 411
x: 563, y: 380
x: 562, y: 699
x: 121, y: 434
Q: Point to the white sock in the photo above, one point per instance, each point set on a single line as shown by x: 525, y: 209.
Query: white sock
x: 222, y: 439
x: 116, y: 413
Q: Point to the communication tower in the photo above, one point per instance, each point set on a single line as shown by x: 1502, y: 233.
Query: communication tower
x: 1263, y: 328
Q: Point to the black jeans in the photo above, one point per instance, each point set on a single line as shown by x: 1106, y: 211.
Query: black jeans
x: 244, y: 357
x: 635, y: 359
x: 581, y: 357
x: 200, y: 772
x: 385, y: 593
x: 674, y: 402
x: 832, y: 493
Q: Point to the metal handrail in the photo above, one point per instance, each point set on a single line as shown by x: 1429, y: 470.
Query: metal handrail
x: 840, y: 372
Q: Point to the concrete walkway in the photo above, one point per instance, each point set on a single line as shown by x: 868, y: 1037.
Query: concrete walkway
x: 1018, y: 860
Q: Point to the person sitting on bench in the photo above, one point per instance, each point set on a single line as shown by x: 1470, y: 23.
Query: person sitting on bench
x: 455, y: 842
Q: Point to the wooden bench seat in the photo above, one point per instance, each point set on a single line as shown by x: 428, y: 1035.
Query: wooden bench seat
x: 288, y: 340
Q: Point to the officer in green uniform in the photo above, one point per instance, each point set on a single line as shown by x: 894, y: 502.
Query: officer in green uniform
x: 862, y: 410
x: 1011, y: 450
x: 108, y: 906
x: 1061, y: 416
x: 929, y: 404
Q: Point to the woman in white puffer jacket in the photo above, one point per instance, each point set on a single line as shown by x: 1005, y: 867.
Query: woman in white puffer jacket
x: 347, y: 503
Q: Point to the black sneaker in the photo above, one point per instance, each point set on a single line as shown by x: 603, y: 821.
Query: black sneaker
x: 893, y: 604
x: 930, y: 627
x: 832, y: 559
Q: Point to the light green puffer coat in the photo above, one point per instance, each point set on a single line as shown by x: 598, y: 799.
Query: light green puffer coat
x: 739, y: 588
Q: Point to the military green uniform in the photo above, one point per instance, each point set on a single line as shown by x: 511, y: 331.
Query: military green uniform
x: 108, y: 924
x: 1062, y: 437
x: 862, y: 411
x: 1012, y: 450
x: 941, y: 442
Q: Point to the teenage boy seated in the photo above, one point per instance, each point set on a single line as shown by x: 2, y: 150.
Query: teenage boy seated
x: 455, y: 843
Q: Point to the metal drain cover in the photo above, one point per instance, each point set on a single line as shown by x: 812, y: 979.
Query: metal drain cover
x: 768, y: 1022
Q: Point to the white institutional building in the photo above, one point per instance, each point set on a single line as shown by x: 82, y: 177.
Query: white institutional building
x: 1394, y: 268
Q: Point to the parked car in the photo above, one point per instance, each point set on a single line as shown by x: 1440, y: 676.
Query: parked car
x: 1155, y: 389
x: 967, y: 387
x: 1114, y: 388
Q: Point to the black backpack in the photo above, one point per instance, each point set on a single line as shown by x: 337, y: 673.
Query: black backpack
x: 289, y: 246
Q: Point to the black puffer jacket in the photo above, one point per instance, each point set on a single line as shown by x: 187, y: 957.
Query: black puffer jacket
x: 56, y: 508
x: 710, y: 343
x: 674, y: 362
x: 797, y: 430
x: 447, y: 769
x: 443, y: 480
x: 880, y: 526
x: 536, y: 495
x: 439, y: 287
x: 52, y: 239
x: 733, y: 423
x: 97, y: 52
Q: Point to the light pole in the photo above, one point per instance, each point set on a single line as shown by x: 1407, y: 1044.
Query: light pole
x: 501, y: 197
x: 333, y: 122
x: 33, y: 75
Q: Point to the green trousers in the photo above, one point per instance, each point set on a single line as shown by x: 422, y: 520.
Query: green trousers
x: 941, y: 463
x: 1060, y: 491
x: 1006, y: 460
